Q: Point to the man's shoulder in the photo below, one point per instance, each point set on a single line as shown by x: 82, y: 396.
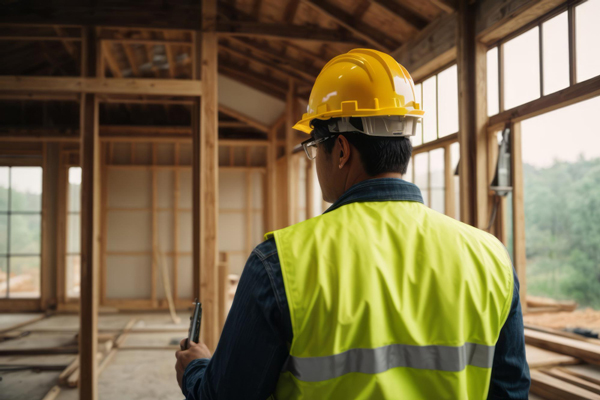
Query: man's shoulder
x: 266, y: 249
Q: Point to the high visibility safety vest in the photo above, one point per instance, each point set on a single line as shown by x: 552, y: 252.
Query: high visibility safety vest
x: 391, y: 300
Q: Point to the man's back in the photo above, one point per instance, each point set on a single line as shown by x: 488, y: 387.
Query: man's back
x: 392, y: 296
x: 255, y: 343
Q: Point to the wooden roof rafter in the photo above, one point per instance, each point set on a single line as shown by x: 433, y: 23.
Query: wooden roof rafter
x: 375, y: 38
x: 407, y: 15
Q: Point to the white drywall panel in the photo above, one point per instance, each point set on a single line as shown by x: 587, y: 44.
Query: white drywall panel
x: 128, y: 277
x: 185, y: 231
x: 164, y: 231
x: 165, y: 180
x: 232, y: 186
x: 232, y: 231
x: 249, y: 101
x: 129, y: 188
x: 185, y: 278
x: 237, y: 263
x: 129, y: 231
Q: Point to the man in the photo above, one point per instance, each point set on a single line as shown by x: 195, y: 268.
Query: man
x: 380, y: 297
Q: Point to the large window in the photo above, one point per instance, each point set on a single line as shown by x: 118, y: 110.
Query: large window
x: 20, y: 231
x: 436, y: 149
x: 544, y: 59
x: 561, y: 173
x: 73, y: 249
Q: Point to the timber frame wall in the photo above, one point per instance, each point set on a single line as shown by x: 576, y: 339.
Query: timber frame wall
x: 463, y: 35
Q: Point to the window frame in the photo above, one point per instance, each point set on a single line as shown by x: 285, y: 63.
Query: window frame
x: 444, y: 142
x: 25, y: 303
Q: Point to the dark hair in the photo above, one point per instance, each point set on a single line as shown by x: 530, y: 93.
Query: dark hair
x: 378, y: 154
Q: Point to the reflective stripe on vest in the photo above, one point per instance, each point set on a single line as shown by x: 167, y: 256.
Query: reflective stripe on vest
x: 374, y: 361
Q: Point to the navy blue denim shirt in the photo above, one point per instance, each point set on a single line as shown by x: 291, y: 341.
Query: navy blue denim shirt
x: 258, y: 331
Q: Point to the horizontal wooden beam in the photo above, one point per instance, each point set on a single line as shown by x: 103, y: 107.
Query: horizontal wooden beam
x: 407, y: 15
x: 448, y: 6
x: 173, y: 87
x: 36, y: 96
x: 573, y: 94
x: 40, y: 38
x: 435, y: 144
x: 163, y: 42
x: 284, y: 31
x: 244, y: 118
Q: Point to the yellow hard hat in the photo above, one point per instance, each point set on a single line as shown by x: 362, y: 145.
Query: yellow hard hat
x: 361, y: 83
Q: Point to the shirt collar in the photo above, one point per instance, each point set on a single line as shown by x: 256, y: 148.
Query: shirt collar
x: 381, y: 189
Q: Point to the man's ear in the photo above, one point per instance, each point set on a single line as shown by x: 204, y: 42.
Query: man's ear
x: 344, y: 150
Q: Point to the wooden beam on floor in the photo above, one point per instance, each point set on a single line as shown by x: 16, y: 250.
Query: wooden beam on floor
x: 169, y: 87
x: 376, y: 39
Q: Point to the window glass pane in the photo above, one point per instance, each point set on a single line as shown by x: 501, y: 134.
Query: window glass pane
x: 3, y: 233
x: 25, y: 234
x: 73, y: 233
x: 561, y: 195
x: 26, y: 188
x: 436, y: 168
x: 425, y: 194
x: 3, y: 277
x: 587, y: 32
x: 72, y: 266
x: 408, y: 176
x: 438, y: 200
x: 492, y: 82
x: 448, y: 101
x: 418, y: 138
x: 24, y: 277
x: 421, y: 170
x: 454, y: 157
x: 74, y: 189
x: 4, y: 188
x: 522, y: 69
x: 429, y: 106
x: 555, y: 53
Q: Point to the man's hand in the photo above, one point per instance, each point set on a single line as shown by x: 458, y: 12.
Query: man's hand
x: 184, y: 357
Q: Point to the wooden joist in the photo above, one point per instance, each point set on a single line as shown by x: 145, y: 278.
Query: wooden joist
x: 580, y: 349
x: 407, y: 15
x: 574, y: 380
x: 172, y: 87
x: 552, y: 388
x: 243, y: 118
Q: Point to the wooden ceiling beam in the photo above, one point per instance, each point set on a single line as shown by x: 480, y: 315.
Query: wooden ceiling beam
x: 375, y: 38
x: 70, y: 47
x: 256, y: 8
x: 113, y: 65
x: 282, y: 69
x: 406, y: 14
x: 165, y: 87
x: 290, y: 11
x: 243, y: 118
x: 448, y: 6
x: 170, y: 55
x: 283, y: 31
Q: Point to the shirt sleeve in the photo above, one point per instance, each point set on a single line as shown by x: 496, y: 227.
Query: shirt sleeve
x: 510, y: 371
x: 253, y: 346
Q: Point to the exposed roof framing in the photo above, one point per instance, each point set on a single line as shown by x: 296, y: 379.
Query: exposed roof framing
x: 372, y: 36
x: 264, y: 83
x: 403, y: 12
x: 290, y: 11
x: 284, y: 31
x: 448, y: 6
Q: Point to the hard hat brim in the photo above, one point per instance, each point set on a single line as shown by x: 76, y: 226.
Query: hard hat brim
x: 304, y: 124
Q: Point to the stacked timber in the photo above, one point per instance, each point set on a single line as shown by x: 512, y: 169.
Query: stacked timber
x: 536, y: 305
x: 567, y: 368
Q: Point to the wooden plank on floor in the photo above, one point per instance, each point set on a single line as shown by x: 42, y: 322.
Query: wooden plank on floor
x: 576, y: 348
x: 551, y: 388
x: 574, y: 380
x: 537, y: 358
x: 10, y: 322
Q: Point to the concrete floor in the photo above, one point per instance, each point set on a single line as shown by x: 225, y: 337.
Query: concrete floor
x: 143, y: 368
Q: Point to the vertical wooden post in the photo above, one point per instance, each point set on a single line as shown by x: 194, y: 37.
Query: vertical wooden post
x: 473, y: 120
x: 289, y: 147
x: 271, y: 197
x: 90, y: 226
x: 519, y: 255
x: 205, y: 171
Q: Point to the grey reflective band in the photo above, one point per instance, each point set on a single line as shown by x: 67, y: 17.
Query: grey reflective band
x: 380, y: 359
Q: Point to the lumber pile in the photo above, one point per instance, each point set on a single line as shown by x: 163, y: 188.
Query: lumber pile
x: 537, y: 305
x: 550, y: 354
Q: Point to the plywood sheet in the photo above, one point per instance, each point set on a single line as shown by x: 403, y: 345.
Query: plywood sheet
x: 21, y: 385
x: 160, y: 288
x: 40, y: 340
x: 7, y: 321
x: 164, y: 226
x: 129, y: 188
x: 237, y: 263
x: 258, y: 230
x: 257, y: 189
x: 153, y: 339
x: 185, y: 231
x: 128, y: 277
x: 129, y: 231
